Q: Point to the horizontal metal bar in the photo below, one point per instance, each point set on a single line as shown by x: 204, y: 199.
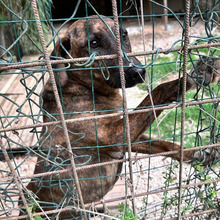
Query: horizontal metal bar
x: 136, y: 158
x: 71, y: 208
x: 169, y: 106
x: 89, y: 17
x: 128, y: 197
x: 152, y: 192
x: 195, y: 214
x: 104, y: 57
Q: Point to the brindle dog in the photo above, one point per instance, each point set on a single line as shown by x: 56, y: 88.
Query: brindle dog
x: 78, y: 88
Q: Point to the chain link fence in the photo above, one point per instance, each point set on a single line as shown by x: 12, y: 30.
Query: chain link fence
x: 48, y: 126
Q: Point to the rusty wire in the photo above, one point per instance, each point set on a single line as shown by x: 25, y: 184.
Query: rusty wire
x: 136, y: 158
x: 122, y: 75
x: 58, y: 102
x: 6, y: 66
x: 185, y: 57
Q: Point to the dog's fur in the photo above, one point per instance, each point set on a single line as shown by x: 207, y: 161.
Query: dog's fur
x: 77, y: 88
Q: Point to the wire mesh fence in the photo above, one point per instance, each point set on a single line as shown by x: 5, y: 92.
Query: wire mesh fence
x: 75, y: 144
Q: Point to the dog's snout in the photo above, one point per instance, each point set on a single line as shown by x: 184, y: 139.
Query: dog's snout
x: 137, y: 73
x: 141, y: 72
x: 134, y: 75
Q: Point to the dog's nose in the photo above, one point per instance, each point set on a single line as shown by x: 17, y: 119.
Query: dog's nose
x: 136, y: 70
x: 138, y: 73
x: 141, y: 71
x: 134, y: 75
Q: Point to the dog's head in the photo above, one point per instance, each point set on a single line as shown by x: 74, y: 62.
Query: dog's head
x: 85, y: 37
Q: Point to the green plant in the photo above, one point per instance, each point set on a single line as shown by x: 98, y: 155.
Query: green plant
x: 187, y: 208
x: 33, y: 205
x: 33, y: 210
x: 125, y: 212
x: 169, y: 200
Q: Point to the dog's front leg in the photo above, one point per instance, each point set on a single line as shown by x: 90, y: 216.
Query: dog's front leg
x: 147, y: 145
x: 203, y: 73
x: 163, y: 94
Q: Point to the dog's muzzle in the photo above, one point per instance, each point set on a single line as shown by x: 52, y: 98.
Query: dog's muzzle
x: 134, y: 76
x: 138, y: 74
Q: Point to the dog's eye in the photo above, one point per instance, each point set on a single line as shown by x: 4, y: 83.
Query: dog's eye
x: 124, y: 36
x: 94, y: 44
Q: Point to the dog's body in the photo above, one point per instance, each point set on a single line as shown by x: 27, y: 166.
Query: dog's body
x: 107, y: 133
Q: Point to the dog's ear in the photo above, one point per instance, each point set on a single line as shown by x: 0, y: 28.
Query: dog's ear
x: 62, y: 46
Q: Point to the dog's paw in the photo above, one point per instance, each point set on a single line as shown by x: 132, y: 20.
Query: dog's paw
x: 204, y: 72
x: 207, y: 156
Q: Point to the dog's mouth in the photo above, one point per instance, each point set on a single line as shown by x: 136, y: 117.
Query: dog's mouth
x: 134, y: 75
x: 138, y: 74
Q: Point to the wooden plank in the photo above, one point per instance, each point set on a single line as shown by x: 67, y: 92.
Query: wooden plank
x: 25, y: 137
x: 9, y: 83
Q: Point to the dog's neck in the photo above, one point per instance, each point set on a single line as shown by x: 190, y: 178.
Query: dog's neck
x: 75, y: 92
x: 87, y: 85
x: 79, y: 87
